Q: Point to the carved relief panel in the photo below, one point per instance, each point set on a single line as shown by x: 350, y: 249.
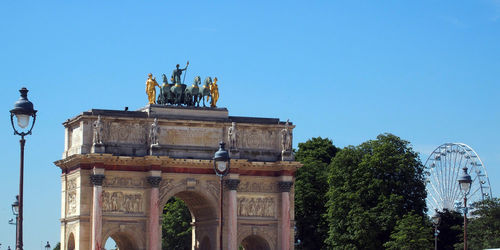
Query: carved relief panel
x: 72, y: 198
x: 191, y: 136
x: 258, y: 138
x: 122, y: 202
x: 136, y: 133
x: 256, y: 206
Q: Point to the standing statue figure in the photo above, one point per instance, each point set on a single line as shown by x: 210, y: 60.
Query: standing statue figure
x: 176, y: 74
x: 97, y: 131
x: 151, y: 88
x: 232, y: 137
x: 153, y: 132
x: 286, y: 138
x: 214, y: 91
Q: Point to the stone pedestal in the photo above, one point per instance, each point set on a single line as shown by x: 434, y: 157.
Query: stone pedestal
x: 234, y: 154
x: 287, y: 155
x: 98, y: 148
x: 155, y: 149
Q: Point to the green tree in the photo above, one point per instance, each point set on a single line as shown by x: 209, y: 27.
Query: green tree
x: 483, y: 228
x: 411, y: 232
x: 310, y: 188
x: 176, y: 225
x: 58, y: 246
x: 371, y: 187
x: 450, y: 229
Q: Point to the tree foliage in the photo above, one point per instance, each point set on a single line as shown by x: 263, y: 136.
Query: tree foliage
x: 371, y: 187
x: 450, y: 229
x: 58, y: 246
x: 176, y: 225
x: 411, y: 232
x: 310, y: 189
x: 483, y: 229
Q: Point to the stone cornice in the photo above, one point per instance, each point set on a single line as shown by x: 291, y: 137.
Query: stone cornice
x: 167, y: 164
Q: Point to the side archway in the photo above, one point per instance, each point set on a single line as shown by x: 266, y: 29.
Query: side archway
x: 254, y: 242
x: 125, y: 240
x: 71, y: 242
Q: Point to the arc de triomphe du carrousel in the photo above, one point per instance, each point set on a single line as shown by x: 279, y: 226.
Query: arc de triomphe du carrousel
x: 120, y: 167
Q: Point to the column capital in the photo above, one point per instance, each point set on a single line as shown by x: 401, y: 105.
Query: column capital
x: 232, y: 184
x: 97, y: 179
x: 285, y: 186
x: 154, y: 181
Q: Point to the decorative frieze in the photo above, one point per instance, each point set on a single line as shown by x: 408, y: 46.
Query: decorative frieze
x: 121, y: 202
x: 257, y: 187
x: 260, y: 206
x: 125, y: 182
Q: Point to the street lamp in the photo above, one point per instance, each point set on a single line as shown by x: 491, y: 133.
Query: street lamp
x: 23, y: 110
x: 465, y: 182
x: 15, y: 206
x: 221, y: 166
x: 47, y: 247
x: 436, y: 219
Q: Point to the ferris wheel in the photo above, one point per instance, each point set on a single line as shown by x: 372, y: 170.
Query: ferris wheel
x: 444, y: 167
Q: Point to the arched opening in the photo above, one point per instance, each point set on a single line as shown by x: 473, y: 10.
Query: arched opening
x: 121, y: 241
x: 176, y: 225
x: 111, y: 244
x: 189, y: 221
x: 71, y: 242
x: 254, y: 242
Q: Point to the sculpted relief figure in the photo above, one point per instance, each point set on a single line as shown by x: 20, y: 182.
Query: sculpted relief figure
x: 232, y: 137
x: 97, y: 125
x: 286, y: 138
x: 151, y: 85
x: 153, y: 132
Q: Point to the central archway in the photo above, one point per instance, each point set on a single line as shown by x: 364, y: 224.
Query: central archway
x: 204, y: 217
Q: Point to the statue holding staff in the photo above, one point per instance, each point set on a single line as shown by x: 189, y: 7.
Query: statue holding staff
x: 176, y: 74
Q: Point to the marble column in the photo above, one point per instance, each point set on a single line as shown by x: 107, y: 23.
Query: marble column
x: 284, y: 187
x: 97, y: 179
x: 154, y: 216
x: 232, y: 215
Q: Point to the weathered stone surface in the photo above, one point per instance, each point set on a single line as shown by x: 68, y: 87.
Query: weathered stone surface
x: 179, y: 164
x: 183, y: 133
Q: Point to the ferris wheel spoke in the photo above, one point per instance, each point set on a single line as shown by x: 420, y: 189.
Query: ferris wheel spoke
x: 444, y: 167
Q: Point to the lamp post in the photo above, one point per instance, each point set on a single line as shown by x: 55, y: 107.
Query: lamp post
x: 465, y: 182
x: 221, y: 166
x: 15, y: 211
x: 23, y: 110
x: 47, y: 247
x: 436, y: 219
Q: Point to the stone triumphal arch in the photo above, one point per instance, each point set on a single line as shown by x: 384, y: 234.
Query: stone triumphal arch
x: 119, y: 168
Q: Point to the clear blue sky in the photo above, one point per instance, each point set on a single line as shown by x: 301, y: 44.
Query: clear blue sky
x: 427, y: 71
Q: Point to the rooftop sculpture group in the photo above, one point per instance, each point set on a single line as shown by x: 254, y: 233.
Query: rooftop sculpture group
x: 178, y: 93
